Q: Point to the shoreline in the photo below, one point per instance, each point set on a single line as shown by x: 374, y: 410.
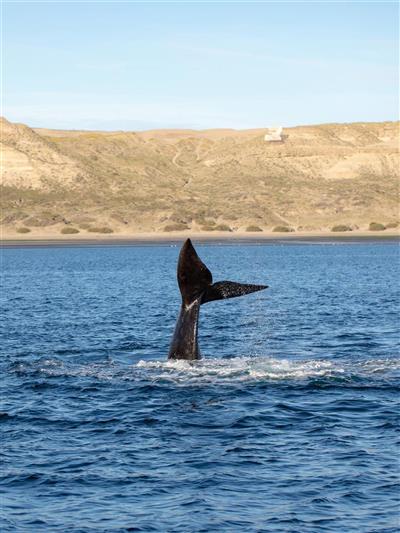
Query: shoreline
x: 149, y: 239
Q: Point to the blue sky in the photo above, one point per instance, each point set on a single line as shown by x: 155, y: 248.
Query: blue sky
x: 114, y: 65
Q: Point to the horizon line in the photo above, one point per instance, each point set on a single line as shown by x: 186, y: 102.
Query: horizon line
x: 271, y: 126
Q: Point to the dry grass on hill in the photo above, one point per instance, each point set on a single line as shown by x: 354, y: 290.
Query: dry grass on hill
x: 318, y: 178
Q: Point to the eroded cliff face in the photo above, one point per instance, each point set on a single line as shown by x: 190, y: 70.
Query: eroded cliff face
x: 30, y: 161
x: 317, y: 177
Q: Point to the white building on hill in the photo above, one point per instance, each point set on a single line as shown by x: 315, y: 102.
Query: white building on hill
x: 273, y: 134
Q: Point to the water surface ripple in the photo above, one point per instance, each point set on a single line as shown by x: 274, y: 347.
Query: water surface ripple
x: 288, y: 424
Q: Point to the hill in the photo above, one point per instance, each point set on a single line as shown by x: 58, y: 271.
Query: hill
x: 318, y: 177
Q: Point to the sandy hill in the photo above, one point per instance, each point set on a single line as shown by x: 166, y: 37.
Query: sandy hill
x: 162, y: 180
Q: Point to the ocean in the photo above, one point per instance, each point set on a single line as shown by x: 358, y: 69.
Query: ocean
x: 288, y: 424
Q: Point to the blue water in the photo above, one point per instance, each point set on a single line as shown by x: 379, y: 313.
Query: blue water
x: 288, y: 424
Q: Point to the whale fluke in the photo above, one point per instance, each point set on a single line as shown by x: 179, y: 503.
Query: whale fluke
x: 197, y: 288
x: 229, y: 289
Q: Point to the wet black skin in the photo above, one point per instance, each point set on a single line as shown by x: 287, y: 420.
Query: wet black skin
x: 197, y: 288
x: 184, y: 344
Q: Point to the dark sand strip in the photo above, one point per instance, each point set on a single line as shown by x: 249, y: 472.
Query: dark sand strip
x: 206, y: 239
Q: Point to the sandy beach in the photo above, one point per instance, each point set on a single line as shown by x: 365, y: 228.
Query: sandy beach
x: 49, y: 238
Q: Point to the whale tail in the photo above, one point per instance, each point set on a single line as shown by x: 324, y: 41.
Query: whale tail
x: 195, y: 280
x: 197, y: 287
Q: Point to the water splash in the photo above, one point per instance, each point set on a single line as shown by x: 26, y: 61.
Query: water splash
x: 240, y: 369
x: 215, y: 370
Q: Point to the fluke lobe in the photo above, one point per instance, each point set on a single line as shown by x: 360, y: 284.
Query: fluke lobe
x: 197, y: 288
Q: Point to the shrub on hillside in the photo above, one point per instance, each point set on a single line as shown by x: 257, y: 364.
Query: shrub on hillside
x: 223, y: 227
x: 342, y: 227
x: 69, y: 231
x: 253, y: 228
x: 392, y: 225
x: 178, y: 226
x: 103, y: 229
x: 23, y: 230
x: 283, y: 229
x: 376, y: 226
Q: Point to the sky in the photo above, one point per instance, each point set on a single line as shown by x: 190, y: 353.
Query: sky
x: 144, y: 65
